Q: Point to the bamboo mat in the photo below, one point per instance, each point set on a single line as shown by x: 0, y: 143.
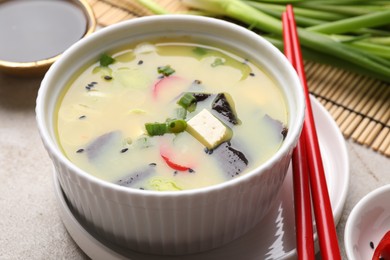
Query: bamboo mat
x: 360, y: 105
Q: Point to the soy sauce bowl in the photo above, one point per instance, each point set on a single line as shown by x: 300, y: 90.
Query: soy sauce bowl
x: 367, y: 223
x: 172, y: 222
x: 35, y: 33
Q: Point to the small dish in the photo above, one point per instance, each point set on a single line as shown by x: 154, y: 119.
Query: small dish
x: 272, y: 238
x: 39, y: 31
x: 367, y: 224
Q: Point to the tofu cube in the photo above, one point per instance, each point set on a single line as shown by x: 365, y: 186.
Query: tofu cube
x: 208, y: 129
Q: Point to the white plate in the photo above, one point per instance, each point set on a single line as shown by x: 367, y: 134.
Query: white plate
x: 272, y: 238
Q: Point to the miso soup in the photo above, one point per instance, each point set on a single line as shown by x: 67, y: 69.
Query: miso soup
x: 170, y: 115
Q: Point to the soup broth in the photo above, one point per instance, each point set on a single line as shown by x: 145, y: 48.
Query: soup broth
x: 170, y: 115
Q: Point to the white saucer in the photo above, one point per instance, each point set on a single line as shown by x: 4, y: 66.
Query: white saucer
x: 272, y: 238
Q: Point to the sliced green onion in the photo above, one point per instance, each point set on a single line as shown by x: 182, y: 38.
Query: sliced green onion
x: 165, y: 70
x: 188, y: 101
x: 176, y: 126
x: 173, y: 126
x: 156, y: 128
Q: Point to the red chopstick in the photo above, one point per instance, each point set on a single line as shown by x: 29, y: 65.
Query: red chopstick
x: 321, y: 203
x: 302, y: 199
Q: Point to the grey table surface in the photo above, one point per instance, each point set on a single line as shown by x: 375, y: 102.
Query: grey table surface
x: 30, y: 224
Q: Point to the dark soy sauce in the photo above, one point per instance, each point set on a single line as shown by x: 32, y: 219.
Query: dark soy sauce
x: 33, y: 30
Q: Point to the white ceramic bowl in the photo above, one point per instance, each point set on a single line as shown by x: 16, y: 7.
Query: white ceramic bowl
x: 368, y: 222
x: 172, y: 222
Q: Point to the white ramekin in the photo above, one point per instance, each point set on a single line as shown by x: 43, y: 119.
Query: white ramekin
x: 172, y: 222
x: 367, y: 223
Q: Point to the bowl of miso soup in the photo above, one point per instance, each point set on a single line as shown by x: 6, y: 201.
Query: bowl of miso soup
x: 171, y: 134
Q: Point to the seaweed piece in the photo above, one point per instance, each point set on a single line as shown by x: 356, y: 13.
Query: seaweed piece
x: 131, y: 179
x: 223, y: 104
x: 200, y: 96
x: 102, y: 144
x: 231, y: 160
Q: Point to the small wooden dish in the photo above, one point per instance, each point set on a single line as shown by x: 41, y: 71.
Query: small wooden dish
x: 36, y: 33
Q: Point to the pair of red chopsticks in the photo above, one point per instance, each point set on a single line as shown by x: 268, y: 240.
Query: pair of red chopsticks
x: 308, y: 170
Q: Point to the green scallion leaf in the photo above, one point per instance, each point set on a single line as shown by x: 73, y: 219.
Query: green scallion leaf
x: 106, y: 60
x: 156, y: 128
x: 165, y: 70
x: 171, y: 126
x: 176, y: 126
x: 188, y: 101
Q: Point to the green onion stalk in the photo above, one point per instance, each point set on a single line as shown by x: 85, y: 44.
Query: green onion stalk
x: 349, y: 33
